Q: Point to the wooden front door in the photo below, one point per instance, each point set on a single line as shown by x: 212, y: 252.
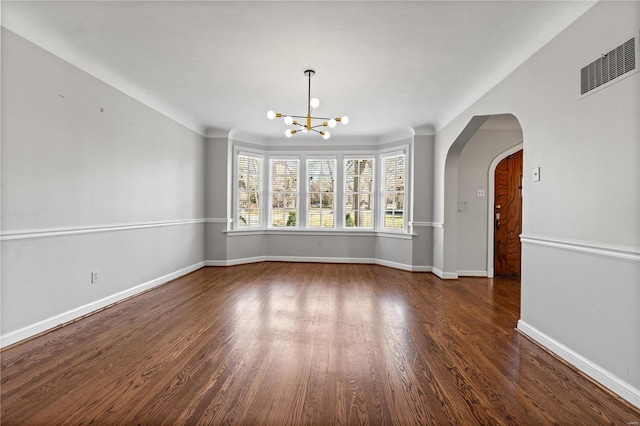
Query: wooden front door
x: 508, y: 216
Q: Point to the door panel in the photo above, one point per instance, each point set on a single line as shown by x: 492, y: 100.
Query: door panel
x: 508, y: 216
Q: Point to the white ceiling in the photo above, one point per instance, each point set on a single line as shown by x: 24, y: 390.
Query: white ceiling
x: 222, y: 64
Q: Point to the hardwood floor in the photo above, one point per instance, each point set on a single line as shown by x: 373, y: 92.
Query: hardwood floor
x: 282, y: 343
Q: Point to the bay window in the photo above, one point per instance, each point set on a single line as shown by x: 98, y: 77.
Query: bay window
x: 346, y: 191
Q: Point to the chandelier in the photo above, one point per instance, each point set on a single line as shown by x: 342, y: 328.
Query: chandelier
x: 307, y: 125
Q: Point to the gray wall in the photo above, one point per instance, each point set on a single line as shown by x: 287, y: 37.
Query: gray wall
x: 423, y: 201
x: 581, y: 248
x: 215, y: 185
x: 92, y: 180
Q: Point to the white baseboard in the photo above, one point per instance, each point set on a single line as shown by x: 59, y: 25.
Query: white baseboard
x: 257, y: 259
x: 421, y: 268
x: 358, y: 260
x: 65, y: 317
x: 395, y: 265
x: 444, y: 275
x: 464, y: 273
x: 366, y: 261
x: 234, y: 262
x: 599, y: 374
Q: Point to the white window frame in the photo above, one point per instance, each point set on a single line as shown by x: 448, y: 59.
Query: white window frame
x: 336, y: 210
x: 394, y: 152
x: 276, y: 157
x: 236, y: 202
x: 266, y: 153
x: 373, y: 193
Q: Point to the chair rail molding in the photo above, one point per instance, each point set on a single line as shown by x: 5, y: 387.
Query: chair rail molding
x: 24, y: 234
x: 631, y: 254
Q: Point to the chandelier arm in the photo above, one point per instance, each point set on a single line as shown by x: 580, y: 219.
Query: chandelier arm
x: 298, y: 116
x: 320, y: 118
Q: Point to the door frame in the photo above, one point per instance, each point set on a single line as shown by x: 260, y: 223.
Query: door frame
x: 492, y: 201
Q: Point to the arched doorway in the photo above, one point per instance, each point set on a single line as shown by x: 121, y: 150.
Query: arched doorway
x: 466, y: 253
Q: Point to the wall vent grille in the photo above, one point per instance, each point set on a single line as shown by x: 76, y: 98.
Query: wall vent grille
x: 609, y: 66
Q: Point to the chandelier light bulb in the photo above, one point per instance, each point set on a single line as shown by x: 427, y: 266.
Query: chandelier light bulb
x: 325, y: 135
x: 288, y: 133
x: 344, y: 120
x: 315, y: 103
x: 288, y: 120
x: 332, y: 123
x: 271, y: 115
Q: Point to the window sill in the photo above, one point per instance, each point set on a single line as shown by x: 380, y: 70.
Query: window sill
x: 320, y: 232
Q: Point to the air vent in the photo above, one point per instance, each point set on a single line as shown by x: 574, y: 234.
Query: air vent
x: 608, y: 67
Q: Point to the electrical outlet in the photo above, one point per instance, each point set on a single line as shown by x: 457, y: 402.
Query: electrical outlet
x: 94, y: 277
x: 319, y: 242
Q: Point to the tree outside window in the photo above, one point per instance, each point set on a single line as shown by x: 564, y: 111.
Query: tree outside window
x: 249, y: 187
x: 284, y: 192
x: 321, y: 193
x: 358, y: 194
x: 393, y: 191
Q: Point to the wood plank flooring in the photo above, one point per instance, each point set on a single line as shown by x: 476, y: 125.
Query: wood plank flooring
x: 294, y: 343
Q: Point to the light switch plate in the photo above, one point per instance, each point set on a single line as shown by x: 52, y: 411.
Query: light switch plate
x: 536, y: 174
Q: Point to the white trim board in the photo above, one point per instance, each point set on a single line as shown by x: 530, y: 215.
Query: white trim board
x: 395, y: 265
x: 425, y: 224
x: 621, y: 253
x: 234, y: 262
x: 217, y: 220
x: 444, y: 275
x: 591, y: 369
x: 354, y: 260
x: 77, y: 230
x: 465, y: 273
x: 82, y: 311
x: 318, y: 233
